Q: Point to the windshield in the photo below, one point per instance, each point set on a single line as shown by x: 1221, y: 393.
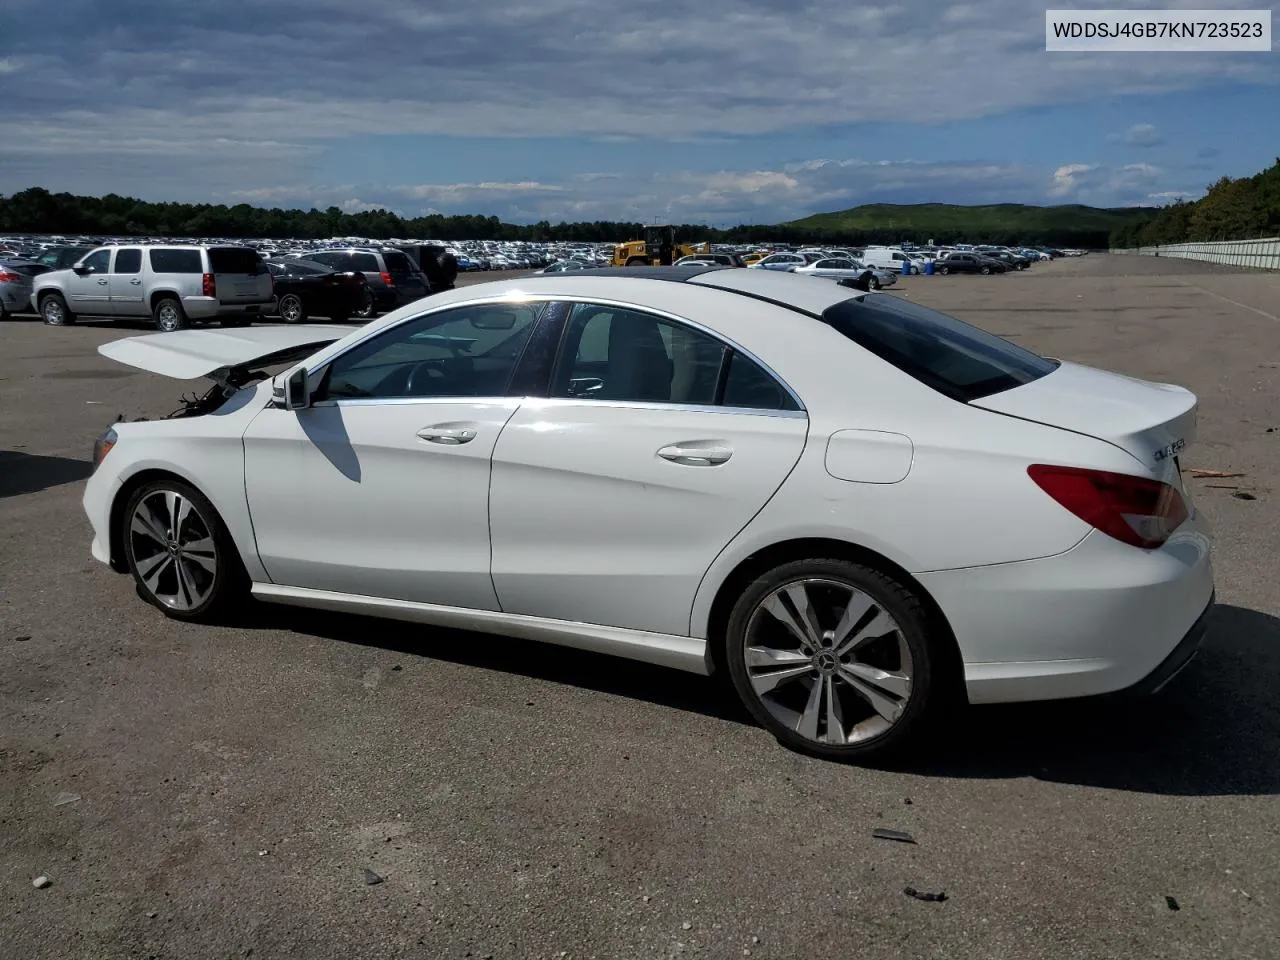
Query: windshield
x: 947, y: 354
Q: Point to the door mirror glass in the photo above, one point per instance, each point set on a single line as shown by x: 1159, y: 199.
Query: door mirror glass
x: 297, y: 395
x: 82, y: 270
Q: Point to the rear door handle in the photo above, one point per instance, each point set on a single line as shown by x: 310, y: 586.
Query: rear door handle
x: 102, y: 283
x: 447, y: 434
x: 697, y: 453
x: 136, y: 283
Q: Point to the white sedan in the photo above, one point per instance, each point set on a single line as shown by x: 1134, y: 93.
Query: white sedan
x: 839, y: 268
x: 857, y: 507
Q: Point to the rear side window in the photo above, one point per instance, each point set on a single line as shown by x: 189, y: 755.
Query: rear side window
x: 128, y: 260
x: 947, y: 354
x: 364, y: 262
x: 175, y: 261
x: 236, y: 260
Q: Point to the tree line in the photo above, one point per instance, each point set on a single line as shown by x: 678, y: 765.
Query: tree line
x: 38, y: 211
x: 1245, y: 208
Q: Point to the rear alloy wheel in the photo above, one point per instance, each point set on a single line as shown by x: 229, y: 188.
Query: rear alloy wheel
x: 366, y: 310
x: 944, y: 270
x: 179, y: 553
x: 54, y: 312
x: 832, y: 657
x: 169, y: 316
x: 291, y: 309
x: 874, y: 283
x: 985, y: 271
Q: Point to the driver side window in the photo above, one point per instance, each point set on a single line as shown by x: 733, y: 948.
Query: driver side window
x: 98, y: 261
x: 471, y: 351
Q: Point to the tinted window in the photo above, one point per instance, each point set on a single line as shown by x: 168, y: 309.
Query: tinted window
x: 235, y: 260
x: 99, y: 261
x: 364, y: 262
x: 612, y: 353
x: 951, y: 356
x: 467, y: 352
x: 300, y: 268
x: 128, y: 260
x: 397, y: 262
x: 747, y: 385
x: 175, y: 261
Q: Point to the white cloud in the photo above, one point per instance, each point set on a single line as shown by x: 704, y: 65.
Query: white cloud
x: 1138, y: 135
x: 8, y: 65
x: 1069, y: 178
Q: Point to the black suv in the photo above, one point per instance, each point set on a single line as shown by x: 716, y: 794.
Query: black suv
x: 392, y: 276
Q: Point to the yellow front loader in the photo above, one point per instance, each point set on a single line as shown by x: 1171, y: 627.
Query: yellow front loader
x: 658, y: 248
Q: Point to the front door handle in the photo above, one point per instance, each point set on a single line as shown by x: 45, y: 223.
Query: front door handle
x: 102, y: 283
x: 447, y: 434
x: 136, y: 282
x: 698, y: 453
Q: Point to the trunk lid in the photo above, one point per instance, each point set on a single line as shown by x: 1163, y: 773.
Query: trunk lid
x: 191, y: 354
x: 1151, y: 421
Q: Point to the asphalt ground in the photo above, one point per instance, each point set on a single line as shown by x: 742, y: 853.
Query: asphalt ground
x: 232, y: 785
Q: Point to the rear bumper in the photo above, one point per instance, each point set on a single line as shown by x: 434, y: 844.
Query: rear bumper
x: 1182, y: 655
x: 1100, y: 618
x: 204, y: 308
x: 15, y: 300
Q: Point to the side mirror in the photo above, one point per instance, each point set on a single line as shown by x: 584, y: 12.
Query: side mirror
x: 296, y: 394
x: 81, y: 270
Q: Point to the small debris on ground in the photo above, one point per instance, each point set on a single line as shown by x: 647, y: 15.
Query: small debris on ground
x: 1222, y: 486
x: 1244, y: 495
x: 880, y: 833
x: 22, y: 639
x: 371, y: 878
x: 263, y: 853
x: 1171, y: 903
x: 939, y: 897
x: 397, y: 668
x: 1213, y: 474
x: 151, y: 914
x: 62, y: 799
x: 907, y: 801
x: 41, y: 882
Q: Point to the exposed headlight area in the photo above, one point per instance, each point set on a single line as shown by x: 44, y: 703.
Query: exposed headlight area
x: 103, y: 446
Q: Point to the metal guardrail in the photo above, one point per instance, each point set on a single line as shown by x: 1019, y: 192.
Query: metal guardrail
x: 1259, y: 254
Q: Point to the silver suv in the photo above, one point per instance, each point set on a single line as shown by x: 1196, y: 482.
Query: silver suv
x: 175, y: 285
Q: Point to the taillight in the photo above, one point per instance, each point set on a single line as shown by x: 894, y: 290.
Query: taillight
x: 386, y: 278
x: 7, y: 277
x: 208, y: 287
x: 1135, y: 510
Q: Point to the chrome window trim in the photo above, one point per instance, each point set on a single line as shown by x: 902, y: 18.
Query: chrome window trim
x: 564, y: 401
x: 520, y: 297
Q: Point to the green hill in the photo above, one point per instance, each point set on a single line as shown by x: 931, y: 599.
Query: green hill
x: 1066, y: 224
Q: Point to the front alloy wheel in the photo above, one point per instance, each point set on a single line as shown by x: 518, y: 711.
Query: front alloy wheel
x: 831, y: 658
x: 178, y: 552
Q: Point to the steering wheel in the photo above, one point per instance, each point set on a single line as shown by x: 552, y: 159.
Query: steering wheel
x: 431, y: 371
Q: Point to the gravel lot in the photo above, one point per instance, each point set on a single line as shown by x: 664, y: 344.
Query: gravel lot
x: 235, y: 784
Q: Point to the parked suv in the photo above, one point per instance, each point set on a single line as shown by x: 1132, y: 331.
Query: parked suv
x: 174, y: 284
x: 393, y: 278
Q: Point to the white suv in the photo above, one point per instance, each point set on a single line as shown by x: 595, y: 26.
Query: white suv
x: 175, y: 285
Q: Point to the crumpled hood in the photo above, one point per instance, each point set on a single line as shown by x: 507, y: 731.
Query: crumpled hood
x: 190, y: 354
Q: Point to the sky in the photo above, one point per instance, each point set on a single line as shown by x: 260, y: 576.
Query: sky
x: 738, y: 111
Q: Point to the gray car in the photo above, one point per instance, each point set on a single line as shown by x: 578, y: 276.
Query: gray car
x: 175, y: 285
x: 16, y: 282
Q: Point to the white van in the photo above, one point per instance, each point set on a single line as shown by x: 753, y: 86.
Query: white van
x: 889, y: 258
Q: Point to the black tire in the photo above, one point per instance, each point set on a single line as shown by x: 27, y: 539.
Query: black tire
x: 367, y: 310
x: 944, y: 270
x: 291, y: 309
x: 874, y: 283
x: 54, y: 311
x: 168, y: 315
x: 227, y: 582
x: 927, y: 693
x: 637, y: 262
x: 986, y: 271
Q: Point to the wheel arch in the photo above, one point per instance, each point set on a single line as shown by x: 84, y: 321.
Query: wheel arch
x: 115, y: 533
x: 786, y: 551
x: 156, y: 296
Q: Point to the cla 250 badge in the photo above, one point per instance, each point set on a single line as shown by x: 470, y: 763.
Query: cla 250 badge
x: 1172, y: 450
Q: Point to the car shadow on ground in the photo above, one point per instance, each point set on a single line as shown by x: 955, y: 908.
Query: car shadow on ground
x: 28, y: 472
x: 1214, y: 730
